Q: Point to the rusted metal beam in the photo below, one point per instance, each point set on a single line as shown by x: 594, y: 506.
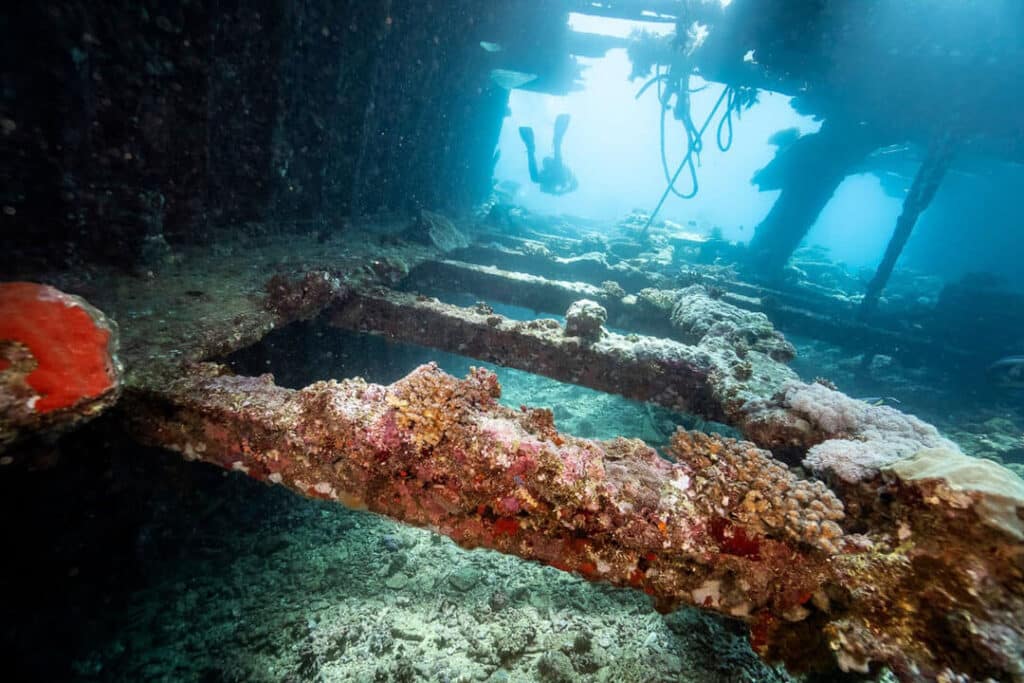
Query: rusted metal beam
x: 721, y: 377
x: 576, y: 268
x: 680, y: 377
x: 926, y: 183
x: 804, y: 313
x: 536, y: 293
x: 724, y: 527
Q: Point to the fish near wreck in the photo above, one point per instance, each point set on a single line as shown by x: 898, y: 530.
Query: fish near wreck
x: 1007, y: 373
x: 824, y: 579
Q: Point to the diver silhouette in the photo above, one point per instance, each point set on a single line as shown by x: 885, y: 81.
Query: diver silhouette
x: 554, y: 176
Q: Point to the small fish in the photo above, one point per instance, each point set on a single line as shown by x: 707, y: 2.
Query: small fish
x: 882, y: 401
x: 509, y: 79
x: 1007, y: 373
x: 491, y: 47
x: 784, y: 137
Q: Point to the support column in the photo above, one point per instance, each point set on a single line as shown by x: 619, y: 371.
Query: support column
x: 808, y: 173
x: 926, y: 182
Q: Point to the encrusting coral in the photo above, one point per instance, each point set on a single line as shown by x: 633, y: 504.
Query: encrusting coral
x: 696, y: 315
x: 584, y: 319
x: 750, y: 487
x: 726, y: 527
x: 855, y: 439
x: 959, y: 481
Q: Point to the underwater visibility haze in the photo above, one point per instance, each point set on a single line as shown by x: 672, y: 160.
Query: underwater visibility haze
x: 519, y: 340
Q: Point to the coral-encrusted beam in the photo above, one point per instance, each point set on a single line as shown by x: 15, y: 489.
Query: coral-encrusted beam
x: 662, y: 371
x: 724, y: 527
x: 440, y: 453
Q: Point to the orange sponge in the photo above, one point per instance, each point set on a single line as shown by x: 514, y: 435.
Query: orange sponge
x: 69, y: 341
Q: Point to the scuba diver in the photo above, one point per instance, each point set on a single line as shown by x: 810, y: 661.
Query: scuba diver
x: 554, y: 177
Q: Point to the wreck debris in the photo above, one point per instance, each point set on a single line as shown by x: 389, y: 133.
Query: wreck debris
x: 437, y: 452
x: 863, y: 574
x: 584, y: 319
x: 58, y: 360
x: 696, y: 316
x: 301, y: 298
x: 723, y: 377
x: 719, y: 379
x: 926, y: 183
x: 794, y: 309
x: 515, y: 288
x: 918, y: 587
x: 807, y: 172
x: 436, y: 230
x: 645, y: 368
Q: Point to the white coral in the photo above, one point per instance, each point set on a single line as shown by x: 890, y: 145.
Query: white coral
x: 864, y: 437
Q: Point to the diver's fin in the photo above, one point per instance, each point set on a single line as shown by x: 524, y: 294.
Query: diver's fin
x: 561, y: 125
x: 526, y: 133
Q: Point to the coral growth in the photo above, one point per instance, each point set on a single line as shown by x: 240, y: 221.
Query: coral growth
x: 855, y: 439
x: 613, y: 289
x: 436, y: 230
x: 69, y: 341
x: 301, y: 299
x: 584, y: 319
x: 430, y: 404
x: 725, y: 528
x: 697, y: 315
x: 753, y: 489
x: 959, y: 481
x: 58, y: 359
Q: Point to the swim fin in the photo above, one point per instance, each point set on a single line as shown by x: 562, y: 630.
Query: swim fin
x: 526, y: 133
x: 561, y: 125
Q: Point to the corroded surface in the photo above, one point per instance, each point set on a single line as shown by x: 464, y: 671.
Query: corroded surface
x: 437, y: 452
x: 645, y: 368
x: 725, y: 527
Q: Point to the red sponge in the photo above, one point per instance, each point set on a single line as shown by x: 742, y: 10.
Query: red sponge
x: 68, y: 340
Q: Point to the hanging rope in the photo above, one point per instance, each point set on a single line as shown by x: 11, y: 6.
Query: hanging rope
x: 667, y: 87
x: 694, y: 145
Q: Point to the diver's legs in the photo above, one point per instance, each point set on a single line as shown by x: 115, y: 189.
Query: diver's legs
x: 526, y: 133
x: 561, y: 125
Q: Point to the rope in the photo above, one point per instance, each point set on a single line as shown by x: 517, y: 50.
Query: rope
x: 730, y: 106
x: 667, y: 86
x: 694, y: 146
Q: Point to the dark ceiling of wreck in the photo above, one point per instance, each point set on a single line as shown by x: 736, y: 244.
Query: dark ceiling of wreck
x: 127, y: 119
